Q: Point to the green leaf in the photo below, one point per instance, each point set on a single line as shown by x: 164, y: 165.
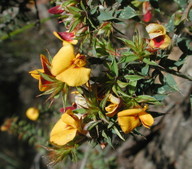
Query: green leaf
x: 80, y: 111
x: 128, y: 58
x: 127, y: 13
x: 145, y: 70
x: 74, y: 10
x: 147, y: 99
x: 116, y: 131
x: 102, y: 117
x: 104, y: 101
x: 92, y: 124
x: 182, y: 3
x: 132, y: 87
x: 105, y: 15
x: 170, y: 26
x: 166, y: 89
x: 122, y: 84
x: 160, y: 97
x: 190, y: 15
x: 149, y: 62
x: 133, y: 77
x: 107, y: 138
x: 114, y: 66
x: 171, y: 81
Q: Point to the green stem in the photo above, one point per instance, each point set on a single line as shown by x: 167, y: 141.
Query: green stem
x: 24, y: 28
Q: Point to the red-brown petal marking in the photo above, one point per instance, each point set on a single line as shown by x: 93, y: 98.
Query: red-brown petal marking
x: 67, y: 36
x: 158, y: 41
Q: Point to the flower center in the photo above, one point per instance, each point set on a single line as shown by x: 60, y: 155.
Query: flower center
x: 79, y: 61
x: 158, y: 41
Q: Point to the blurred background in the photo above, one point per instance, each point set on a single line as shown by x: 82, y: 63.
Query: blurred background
x: 26, y: 32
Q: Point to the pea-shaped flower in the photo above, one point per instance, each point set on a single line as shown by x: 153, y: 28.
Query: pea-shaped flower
x: 69, y: 68
x: 32, y: 113
x: 112, y: 107
x: 132, y: 118
x: 158, y: 36
x: 66, y: 128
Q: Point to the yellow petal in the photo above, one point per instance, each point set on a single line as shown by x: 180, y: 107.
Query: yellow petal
x: 61, y: 134
x: 128, y: 123
x: 70, y: 119
x: 35, y: 73
x: 146, y: 119
x: 74, y: 76
x: 62, y: 60
x: 154, y: 30
x: 161, y: 42
x: 167, y: 42
x: 111, y: 109
x: 57, y: 35
x: 32, y: 113
x: 130, y: 112
x: 114, y: 99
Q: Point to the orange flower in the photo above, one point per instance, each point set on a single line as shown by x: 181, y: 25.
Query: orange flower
x: 132, y: 118
x: 158, y: 36
x: 32, y: 113
x: 112, y: 107
x: 66, y: 129
x: 69, y: 68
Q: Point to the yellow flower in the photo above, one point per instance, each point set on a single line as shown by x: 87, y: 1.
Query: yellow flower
x: 32, y: 113
x: 44, y: 85
x: 158, y: 36
x: 132, y: 118
x: 69, y: 68
x: 66, y: 128
x: 112, y: 107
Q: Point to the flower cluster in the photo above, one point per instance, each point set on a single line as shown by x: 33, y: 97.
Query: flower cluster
x: 112, y: 68
x: 115, y: 98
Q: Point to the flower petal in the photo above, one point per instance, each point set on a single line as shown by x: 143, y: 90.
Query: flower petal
x: 56, y: 10
x: 61, y: 134
x: 63, y: 59
x: 128, y: 123
x: 114, y: 99
x: 160, y: 42
x: 70, y: 119
x: 130, y: 112
x: 35, y: 73
x: 45, y: 64
x: 74, y: 76
x: 44, y: 84
x: 155, y: 30
x: 111, y: 109
x: 146, y: 119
